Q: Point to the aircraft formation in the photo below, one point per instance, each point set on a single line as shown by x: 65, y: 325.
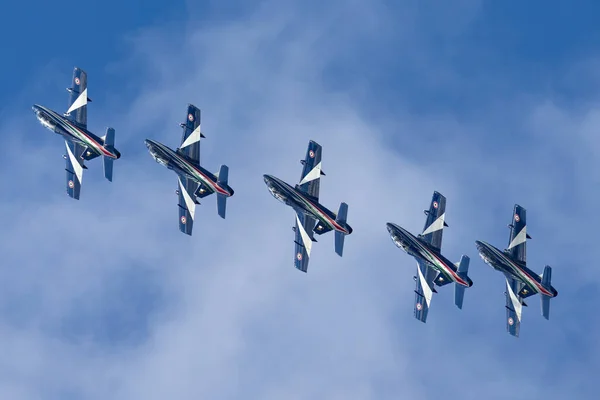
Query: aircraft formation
x: 195, y: 182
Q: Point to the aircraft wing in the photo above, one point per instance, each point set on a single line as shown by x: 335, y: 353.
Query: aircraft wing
x: 303, y: 240
x: 435, y: 222
x: 423, y: 291
x: 513, y: 306
x: 311, y: 173
x: 78, y: 98
x: 517, y: 242
x: 187, y: 204
x: 74, y: 168
x: 516, y: 292
x: 190, y: 140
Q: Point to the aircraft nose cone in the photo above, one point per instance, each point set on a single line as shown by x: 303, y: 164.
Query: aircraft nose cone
x: 390, y: 227
x: 268, y: 179
x: 150, y: 145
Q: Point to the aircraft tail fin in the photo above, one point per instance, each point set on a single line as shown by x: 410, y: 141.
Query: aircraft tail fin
x: 459, y: 290
x: 109, y: 144
x: 339, y: 236
x: 546, y: 281
x: 221, y: 198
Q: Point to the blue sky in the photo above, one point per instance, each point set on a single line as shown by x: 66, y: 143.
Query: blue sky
x: 491, y: 104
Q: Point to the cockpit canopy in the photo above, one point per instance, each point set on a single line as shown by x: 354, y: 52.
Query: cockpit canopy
x: 44, y: 119
x: 159, y: 159
x: 155, y: 154
x: 277, y: 194
x: 398, y: 242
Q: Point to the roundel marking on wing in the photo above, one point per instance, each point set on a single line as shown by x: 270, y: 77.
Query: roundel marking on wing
x: 71, y: 184
x: 435, y: 204
x: 191, y: 117
x: 510, y: 321
x: 183, y: 220
x: 517, y: 218
x: 299, y: 256
x: 77, y: 81
x: 419, y: 306
x: 311, y: 154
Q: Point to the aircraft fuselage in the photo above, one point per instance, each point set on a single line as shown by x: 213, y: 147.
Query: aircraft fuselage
x: 501, y: 261
x: 421, y: 251
x: 70, y: 131
x: 300, y: 202
x: 182, y: 166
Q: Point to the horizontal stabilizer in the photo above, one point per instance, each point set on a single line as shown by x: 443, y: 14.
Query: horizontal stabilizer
x: 221, y: 198
x: 342, y: 213
x: 339, y: 236
x: 339, y: 243
x: 547, y: 282
x: 109, y: 144
x: 108, y: 168
x: 459, y: 290
x: 547, y: 276
x: 545, y: 306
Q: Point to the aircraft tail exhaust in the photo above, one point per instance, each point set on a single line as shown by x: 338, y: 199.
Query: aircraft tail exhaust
x: 339, y: 236
x: 109, y: 144
x: 546, y: 281
x: 459, y: 290
x: 221, y: 198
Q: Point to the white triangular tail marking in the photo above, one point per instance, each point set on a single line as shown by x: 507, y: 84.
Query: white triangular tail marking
x: 193, y: 138
x: 80, y: 102
x: 189, y: 203
x: 514, y: 300
x: 520, y: 238
x: 306, y: 240
x: 427, y: 292
x: 315, y: 173
x: 436, y: 225
x: 77, y: 168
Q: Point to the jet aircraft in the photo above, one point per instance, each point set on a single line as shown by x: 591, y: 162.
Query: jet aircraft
x: 521, y: 282
x: 304, y: 199
x: 195, y: 182
x: 432, y: 266
x: 81, y: 144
